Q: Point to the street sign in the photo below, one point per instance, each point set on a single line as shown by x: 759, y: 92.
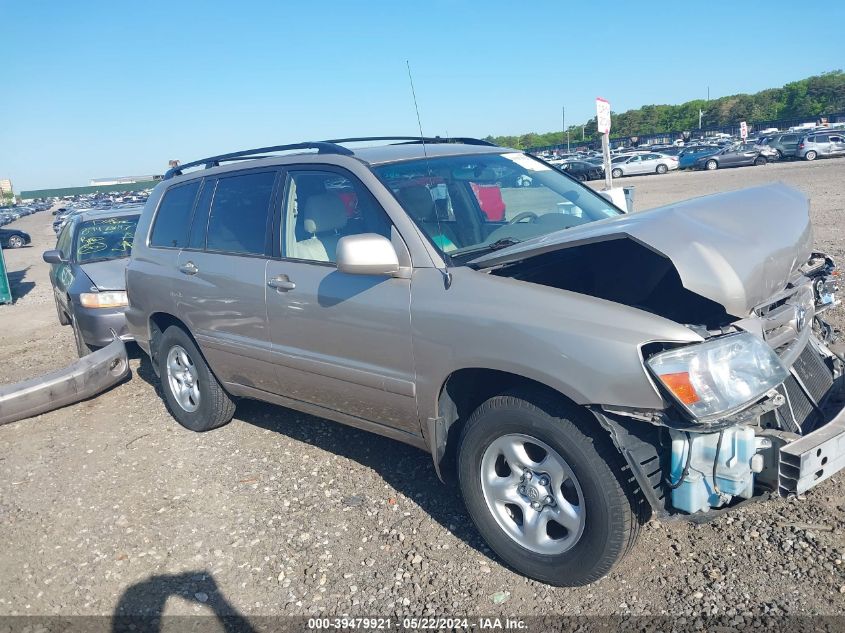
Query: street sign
x: 5, y: 289
x: 603, y: 115
x: 743, y: 130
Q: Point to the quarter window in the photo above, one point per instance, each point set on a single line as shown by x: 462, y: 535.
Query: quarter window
x: 238, y: 219
x: 174, y: 213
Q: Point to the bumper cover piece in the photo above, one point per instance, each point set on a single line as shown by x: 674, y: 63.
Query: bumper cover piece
x: 813, y: 458
x: 86, y: 377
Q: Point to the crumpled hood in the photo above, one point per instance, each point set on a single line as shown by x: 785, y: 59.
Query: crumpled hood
x: 107, y: 275
x: 737, y: 248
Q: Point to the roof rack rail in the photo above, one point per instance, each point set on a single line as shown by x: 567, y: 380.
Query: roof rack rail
x: 322, y: 147
x: 465, y: 140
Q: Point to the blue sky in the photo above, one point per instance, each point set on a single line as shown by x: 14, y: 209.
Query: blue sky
x: 96, y: 89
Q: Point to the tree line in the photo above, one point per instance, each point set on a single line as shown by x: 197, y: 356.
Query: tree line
x: 806, y: 98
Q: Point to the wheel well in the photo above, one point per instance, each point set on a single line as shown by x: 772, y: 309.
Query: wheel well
x: 159, y: 322
x: 463, y: 392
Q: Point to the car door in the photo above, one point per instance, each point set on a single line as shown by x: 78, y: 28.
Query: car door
x: 789, y: 143
x: 339, y: 341
x: 633, y: 166
x: 62, y: 275
x: 219, y: 287
x: 837, y: 144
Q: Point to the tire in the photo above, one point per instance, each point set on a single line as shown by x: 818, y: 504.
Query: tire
x: 606, y: 523
x: 15, y: 241
x: 811, y: 155
x: 780, y: 154
x: 710, y: 165
x: 202, y: 404
x: 582, y: 177
x: 662, y: 169
x: 63, y: 320
x: 616, y: 173
x: 760, y: 160
x: 82, y: 348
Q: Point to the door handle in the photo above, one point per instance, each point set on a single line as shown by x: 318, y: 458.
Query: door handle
x: 189, y: 268
x: 281, y: 282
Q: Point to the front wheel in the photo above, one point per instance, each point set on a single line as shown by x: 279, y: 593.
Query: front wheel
x: 712, y: 164
x: 544, y: 489
x: 82, y: 348
x: 811, y: 155
x: 16, y: 241
x: 192, y: 393
x: 760, y: 160
x: 616, y: 173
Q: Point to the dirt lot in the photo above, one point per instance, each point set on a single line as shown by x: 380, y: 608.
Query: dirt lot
x: 109, y: 506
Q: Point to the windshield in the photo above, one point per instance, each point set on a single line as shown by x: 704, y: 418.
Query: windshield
x: 468, y: 205
x: 106, y: 238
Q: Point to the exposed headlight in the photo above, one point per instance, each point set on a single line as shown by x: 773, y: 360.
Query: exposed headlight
x: 116, y: 299
x: 718, y: 376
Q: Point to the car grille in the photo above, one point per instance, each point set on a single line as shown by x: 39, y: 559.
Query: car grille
x: 787, y: 321
x: 804, y: 390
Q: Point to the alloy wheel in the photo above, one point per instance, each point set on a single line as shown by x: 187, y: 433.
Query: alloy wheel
x: 183, y: 379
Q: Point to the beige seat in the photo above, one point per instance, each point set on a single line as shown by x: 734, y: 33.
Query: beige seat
x: 323, y: 218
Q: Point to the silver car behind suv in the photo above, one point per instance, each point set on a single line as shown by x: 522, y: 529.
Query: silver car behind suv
x: 577, y: 370
x: 822, y: 145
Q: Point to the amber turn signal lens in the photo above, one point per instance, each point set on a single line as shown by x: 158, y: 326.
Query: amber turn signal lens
x: 679, y: 384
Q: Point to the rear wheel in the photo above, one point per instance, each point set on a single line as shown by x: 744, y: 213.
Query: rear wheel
x: 711, y: 165
x: 616, y: 173
x: 811, y: 155
x: 192, y: 393
x: 662, y: 169
x: 760, y: 160
x: 544, y: 491
x: 582, y: 177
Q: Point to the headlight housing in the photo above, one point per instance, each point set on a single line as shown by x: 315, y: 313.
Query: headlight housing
x: 111, y: 299
x: 719, y: 376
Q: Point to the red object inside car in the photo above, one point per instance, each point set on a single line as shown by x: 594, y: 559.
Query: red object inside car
x: 490, y: 200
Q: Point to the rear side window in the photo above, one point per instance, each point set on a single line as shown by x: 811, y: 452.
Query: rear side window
x: 788, y: 138
x: 239, y: 214
x: 174, y: 214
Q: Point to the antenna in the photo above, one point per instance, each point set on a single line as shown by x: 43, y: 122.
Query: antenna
x: 417, y: 108
x: 447, y: 276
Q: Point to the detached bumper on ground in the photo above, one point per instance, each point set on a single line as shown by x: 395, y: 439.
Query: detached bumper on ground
x: 87, y: 377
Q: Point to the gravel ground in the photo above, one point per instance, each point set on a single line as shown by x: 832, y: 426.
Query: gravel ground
x: 109, y: 506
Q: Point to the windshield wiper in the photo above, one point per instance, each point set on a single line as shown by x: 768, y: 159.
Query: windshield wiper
x: 492, y: 246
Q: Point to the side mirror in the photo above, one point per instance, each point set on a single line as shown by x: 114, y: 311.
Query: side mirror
x: 366, y: 254
x: 54, y: 257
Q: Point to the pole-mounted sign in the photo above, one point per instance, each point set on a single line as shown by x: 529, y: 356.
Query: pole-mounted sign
x: 603, y: 122
x: 603, y: 114
x: 743, y: 130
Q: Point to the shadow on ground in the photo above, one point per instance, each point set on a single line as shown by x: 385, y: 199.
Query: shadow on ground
x: 19, y: 287
x: 141, y: 605
x: 406, y: 469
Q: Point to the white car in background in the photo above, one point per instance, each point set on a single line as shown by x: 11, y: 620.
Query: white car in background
x: 645, y: 163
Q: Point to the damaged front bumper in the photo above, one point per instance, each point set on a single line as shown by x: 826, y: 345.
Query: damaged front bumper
x: 87, y: 377
x: 794, y: 440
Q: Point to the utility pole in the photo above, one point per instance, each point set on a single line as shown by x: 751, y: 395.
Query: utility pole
x: 563, y: 125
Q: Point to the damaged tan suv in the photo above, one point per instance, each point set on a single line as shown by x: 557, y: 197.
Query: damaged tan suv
x: 575, y: 369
